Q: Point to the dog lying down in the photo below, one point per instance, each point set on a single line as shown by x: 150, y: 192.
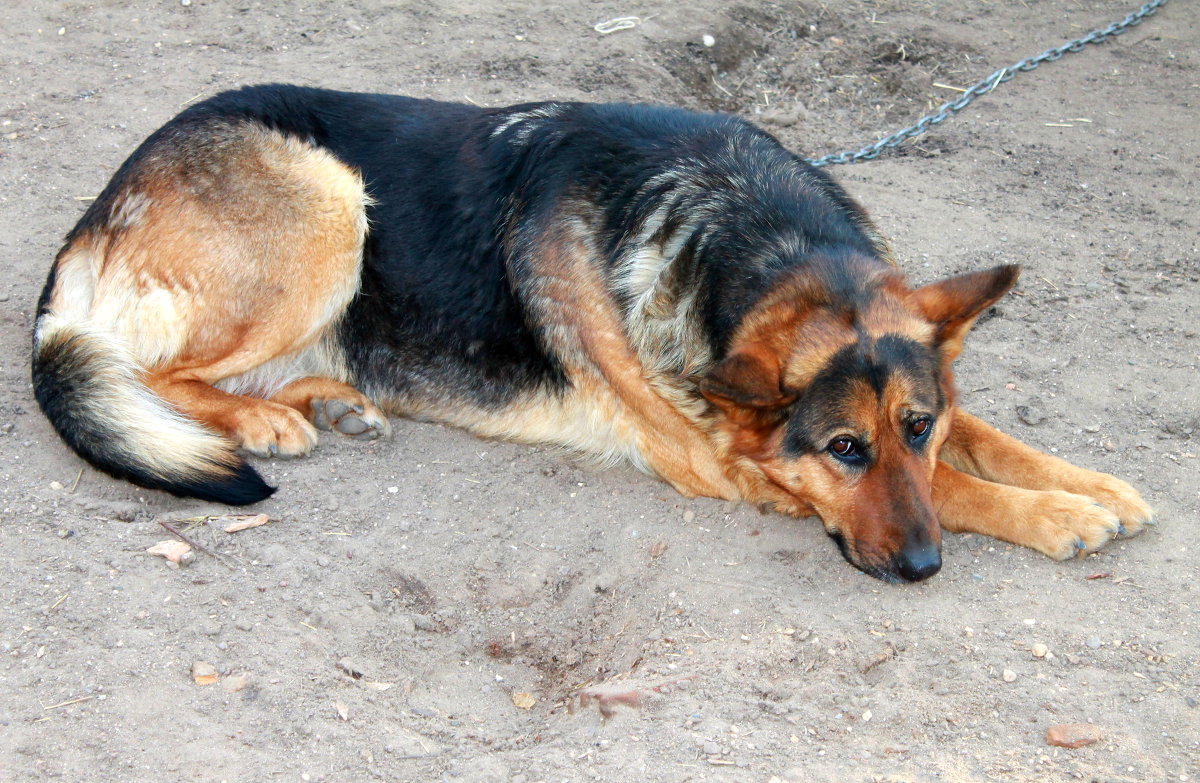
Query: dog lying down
x: 634, y: 282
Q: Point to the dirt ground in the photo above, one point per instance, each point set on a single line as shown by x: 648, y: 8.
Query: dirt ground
x: 442, y: 608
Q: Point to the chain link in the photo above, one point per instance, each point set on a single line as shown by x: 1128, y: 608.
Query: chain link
x: 950, y: 108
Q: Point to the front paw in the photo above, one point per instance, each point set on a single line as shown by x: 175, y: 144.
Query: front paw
x: 1063, y: 524
x: 1121, y: 499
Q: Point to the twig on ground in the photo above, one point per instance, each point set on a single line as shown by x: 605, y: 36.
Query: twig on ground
x: 67, y: 702
x: 195, y: 544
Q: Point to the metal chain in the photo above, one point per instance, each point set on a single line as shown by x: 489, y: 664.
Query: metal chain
x: 950, y: 108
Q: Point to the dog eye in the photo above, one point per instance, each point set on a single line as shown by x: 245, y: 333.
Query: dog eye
x: 919, y: 428
x: 844, y: 447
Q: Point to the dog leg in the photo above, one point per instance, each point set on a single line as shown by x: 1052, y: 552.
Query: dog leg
x: 571, y: 295
x: 261, y: 427
x: 333, y: 405
x: 983, y: 451
x: 1056, y: 523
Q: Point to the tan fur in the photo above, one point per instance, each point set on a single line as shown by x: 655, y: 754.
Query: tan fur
x: 196, y: 274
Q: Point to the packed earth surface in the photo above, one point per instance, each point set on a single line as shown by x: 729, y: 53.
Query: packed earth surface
x: 440, y: 608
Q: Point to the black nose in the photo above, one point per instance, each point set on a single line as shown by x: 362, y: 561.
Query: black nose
x: 917, y: 563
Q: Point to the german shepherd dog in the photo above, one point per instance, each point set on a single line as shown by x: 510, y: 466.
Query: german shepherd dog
x: 650, y: 284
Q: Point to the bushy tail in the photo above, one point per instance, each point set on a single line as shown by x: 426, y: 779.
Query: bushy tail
x: 88, y: 385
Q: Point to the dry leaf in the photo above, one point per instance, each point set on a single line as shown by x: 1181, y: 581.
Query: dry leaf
x: 178, y: 552
x: 378, y: 686
x: 204, y: 673
x: 607, y: 699
x: 608, y: 696
x: 342, y: 710
x: 245, y: 521
x: 1073, y: 735
x: 523, y: 700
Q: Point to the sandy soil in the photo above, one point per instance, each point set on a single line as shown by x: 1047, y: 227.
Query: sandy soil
x: 408, y: 594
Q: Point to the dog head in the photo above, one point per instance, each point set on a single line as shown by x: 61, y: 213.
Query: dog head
x: 836, y: 393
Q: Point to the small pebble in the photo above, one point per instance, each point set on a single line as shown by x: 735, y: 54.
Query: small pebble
x: 235, y: 683
x: 1039, y: 650
x: 1094, y: 642
x: 323, y: 561
x: 243, y: 625
x: 711, y: 748
x: 709, y: 41
x: 204, y: 673
x: 1030, y: 415
x: 1009, y: 675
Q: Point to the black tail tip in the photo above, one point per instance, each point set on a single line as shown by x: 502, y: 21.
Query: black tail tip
x: 240, y: 488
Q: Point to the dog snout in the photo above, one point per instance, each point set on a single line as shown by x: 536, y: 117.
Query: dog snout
x: 917, y: 563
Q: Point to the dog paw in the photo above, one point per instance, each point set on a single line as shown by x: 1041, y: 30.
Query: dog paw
x: 270, y: 430
x: 1063, y: 524
x: 359, y: 419
x: 1121, y: 499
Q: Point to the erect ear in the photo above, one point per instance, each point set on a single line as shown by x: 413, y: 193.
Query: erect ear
x: 953, y: 305
x: 748, y: 377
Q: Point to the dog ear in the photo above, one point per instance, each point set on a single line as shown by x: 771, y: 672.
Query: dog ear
x: 749, y: 377
x: 952, y: 305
